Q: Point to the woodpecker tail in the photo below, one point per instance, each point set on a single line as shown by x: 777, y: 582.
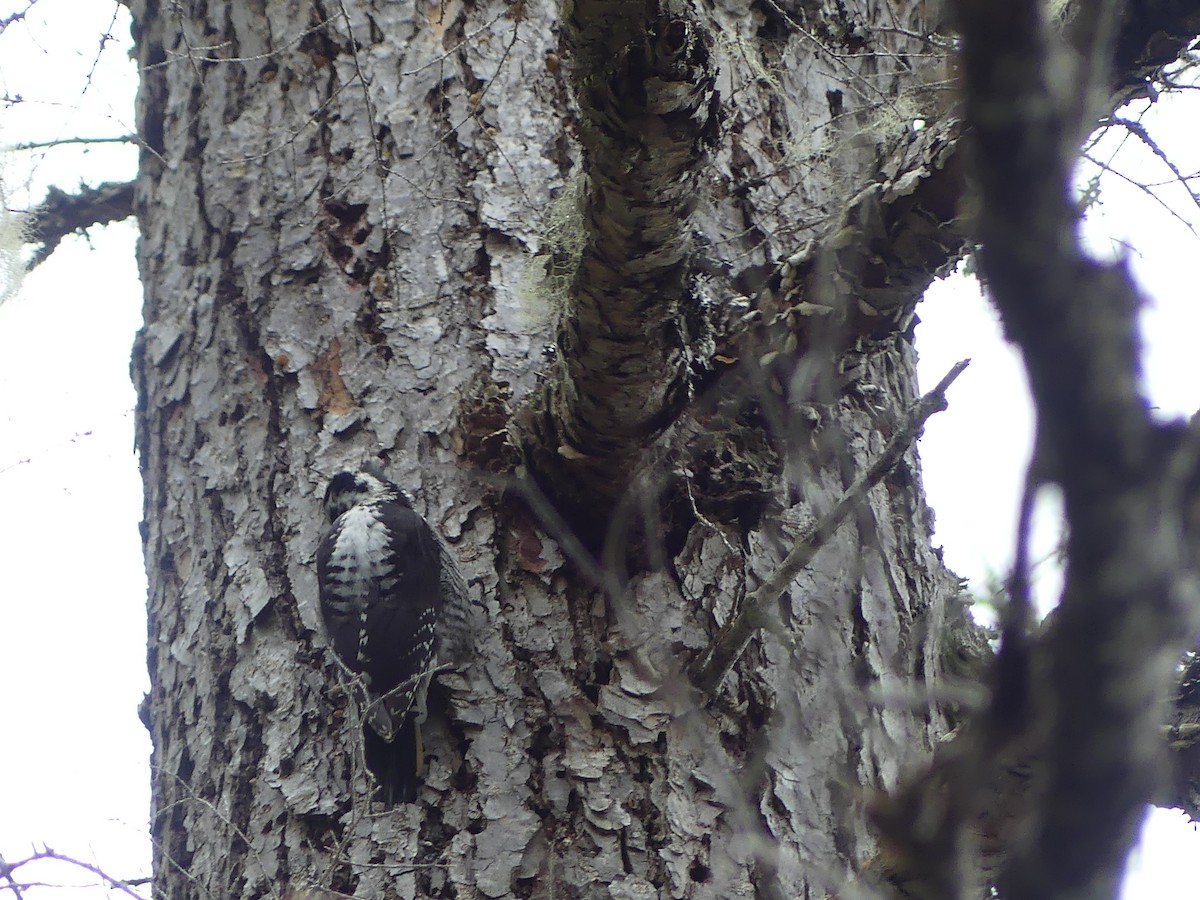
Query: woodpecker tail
x: 397, y: 764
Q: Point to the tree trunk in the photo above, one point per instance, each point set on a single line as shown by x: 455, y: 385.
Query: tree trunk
x: 353, y: 221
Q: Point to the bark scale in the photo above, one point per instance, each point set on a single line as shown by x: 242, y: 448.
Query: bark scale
x: 336, y: 207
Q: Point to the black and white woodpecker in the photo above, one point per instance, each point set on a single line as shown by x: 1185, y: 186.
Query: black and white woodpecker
x: 397, y: 611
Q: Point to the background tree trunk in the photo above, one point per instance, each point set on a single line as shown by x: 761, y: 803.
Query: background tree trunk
x: 340, y: 211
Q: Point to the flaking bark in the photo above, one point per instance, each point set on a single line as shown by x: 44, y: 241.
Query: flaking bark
x: 644, y: 79
x: 335, y: 208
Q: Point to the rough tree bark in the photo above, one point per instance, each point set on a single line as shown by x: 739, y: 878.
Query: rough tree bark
x: 340, y: 206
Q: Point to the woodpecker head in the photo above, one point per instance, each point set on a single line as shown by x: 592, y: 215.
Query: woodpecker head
x: 349, y: 488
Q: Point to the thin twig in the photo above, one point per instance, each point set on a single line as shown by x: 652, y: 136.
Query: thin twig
x: 568, y: 541
x: 7, y: 871
x: 1143, y: 188
x: 708, y: 670
x: 1139, y: 130
x: 61, y: 142
x: 117, y: 884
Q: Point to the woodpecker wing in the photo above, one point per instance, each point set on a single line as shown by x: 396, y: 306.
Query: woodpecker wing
x: 455, y: 642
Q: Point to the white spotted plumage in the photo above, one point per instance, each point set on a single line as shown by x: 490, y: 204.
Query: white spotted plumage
x: 359, y: 565
x: 388, y: 585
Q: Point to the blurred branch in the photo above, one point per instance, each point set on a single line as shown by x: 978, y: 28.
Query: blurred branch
x: 61, y: 214
x: 1090, y: 734
x: 7, y: 872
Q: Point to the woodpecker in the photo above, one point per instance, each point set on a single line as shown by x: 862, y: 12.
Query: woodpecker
x: 396, y: 609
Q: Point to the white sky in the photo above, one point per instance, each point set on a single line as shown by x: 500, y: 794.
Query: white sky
x: 74, y: 758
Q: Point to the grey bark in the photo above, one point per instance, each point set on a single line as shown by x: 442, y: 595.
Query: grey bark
x: 645, y: 81
x: 336, y: 210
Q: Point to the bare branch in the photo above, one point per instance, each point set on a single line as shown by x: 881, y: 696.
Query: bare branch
x: 61, y: 214
x: 708, y: 670
x: 7, y: 870
x: 1144, y: 188
x: 62, y: 142
x: 13, y: 18
x: 1140, y: 131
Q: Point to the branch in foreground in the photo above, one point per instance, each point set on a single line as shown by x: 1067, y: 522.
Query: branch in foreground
x: 1102, y: 669
x: 61, y: 214
x: 708, y: 670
